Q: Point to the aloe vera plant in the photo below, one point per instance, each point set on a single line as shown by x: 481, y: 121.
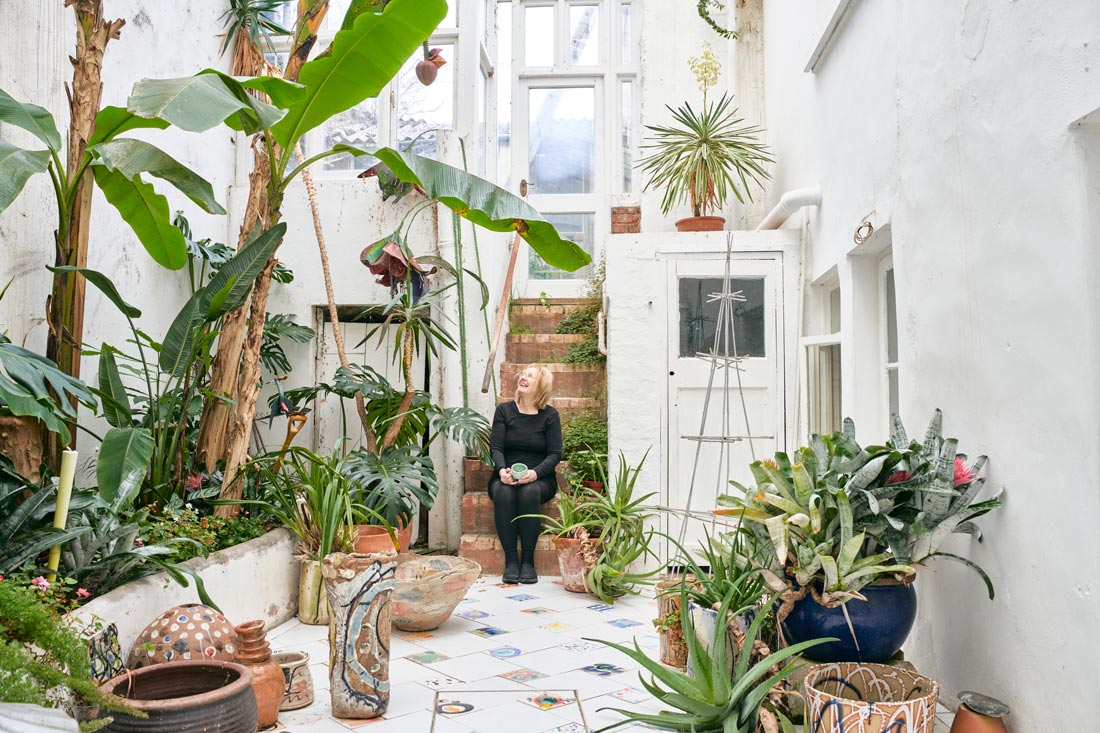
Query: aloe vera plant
x: 711, y: 699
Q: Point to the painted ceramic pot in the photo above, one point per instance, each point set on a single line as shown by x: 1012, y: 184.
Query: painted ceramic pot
x: 881, y: 624
x: 573, y: 569
x: 254, y: 652
x: 185, y: 697
x: 360, y: 591
x: 106, y: 653
x: 297, y: 681
x: 674, y: 652
x: 185, y: 633
x: 312, y: 599
x: 847, y: 697
x: 428, y: 588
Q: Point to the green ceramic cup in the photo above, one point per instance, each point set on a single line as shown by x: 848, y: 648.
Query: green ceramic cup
x: 518, y: 471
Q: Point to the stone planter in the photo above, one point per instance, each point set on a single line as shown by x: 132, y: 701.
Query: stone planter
x: 848, y: 697
x: 360, y: 590
x: 427, y: 589
x: 297, y: 681
x: 185, y: 697
x: 312, y: 600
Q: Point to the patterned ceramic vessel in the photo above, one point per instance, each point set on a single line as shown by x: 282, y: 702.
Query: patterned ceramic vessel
x: 880, y: 624
x: 847, y: 697
x: 297, y: 681
x: 254, y: 652
x: 106, y: 653
x: 428, y: 588
x: 192, y: 632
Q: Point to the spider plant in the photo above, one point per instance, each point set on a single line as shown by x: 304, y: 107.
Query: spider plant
x: 704, y: 157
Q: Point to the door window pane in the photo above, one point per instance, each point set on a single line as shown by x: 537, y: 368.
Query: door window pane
x: 824, y: 376
x: 627, y: 136
x: 626, y: 32
x: 562, y: 152
x: 891, y: 320
x: 421, y: 110
x: 503, y: 80
x: 357, y: 127
x: 699, y: 316
x: 579, y: 228
x: 539, y: 36
x: 584, y: 35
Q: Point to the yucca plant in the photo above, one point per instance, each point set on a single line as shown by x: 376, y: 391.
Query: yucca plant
x: 711, y: 699
x: 706, y: 156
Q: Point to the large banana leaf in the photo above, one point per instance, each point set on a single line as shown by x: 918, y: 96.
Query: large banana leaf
x: 28, y: 383
x: 231, y: 285
x: 32, y: 118
x: 116, y: 403
x: 113, y: 121
x: 104, y: 285
x: 179, y: 341
x: 201, y: 102
x: 16, y: 166
x: 123, y: 459
x: 359, y: 63
x: 485, y: 204
x: 147, y: 213
x: 134, y: 157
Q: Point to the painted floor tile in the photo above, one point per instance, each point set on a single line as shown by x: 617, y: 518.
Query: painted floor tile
x: 505, y: 652
x: 579, y: 647
x: 632, y: 695
x: 602, y: 669
x: 427, y: 657
x: 487, y: 631
x: 522, y: 597
x: 523, y: 675
x: 548, y: 700
x: 600, y: 607
x: 569, y: 728
x: 473, y: 615
x: 451, y: 708
x: 556, y: 627
x: 440, y: 683
x: 624, y: 623
x: 537, y: 611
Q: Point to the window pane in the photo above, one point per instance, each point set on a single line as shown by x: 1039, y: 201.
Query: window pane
x: 824, y: 381
x: 357, y: 127
x: 891, y: 320
x: 277, y: 59
x: 421, y: 109
x: 892, y: 379
x: 503, y: 77
x: 450, y: 20
x: 539, y: 36
x: 334, y: 18
x: 482, y: 133
x: 834, y: 310
x: 562, y: 154
x: 627, y: 135
x: 699, y: 318
x: 579, y: 228
x: 286, y: 15
x: 626, y: 52
x: 584, y: 35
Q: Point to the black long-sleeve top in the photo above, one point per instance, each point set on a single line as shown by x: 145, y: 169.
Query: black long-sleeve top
x: 534, y: 440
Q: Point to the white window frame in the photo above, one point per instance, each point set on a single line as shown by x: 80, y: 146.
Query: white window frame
x: 821, y: 313
x: 885, y: 265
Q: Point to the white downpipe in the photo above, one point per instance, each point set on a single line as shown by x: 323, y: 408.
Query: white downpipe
x: 789, y: 203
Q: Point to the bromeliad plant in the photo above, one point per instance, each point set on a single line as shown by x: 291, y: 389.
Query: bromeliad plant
x: 840, y: 516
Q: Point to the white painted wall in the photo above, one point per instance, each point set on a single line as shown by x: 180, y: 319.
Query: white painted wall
x: 952, y: 124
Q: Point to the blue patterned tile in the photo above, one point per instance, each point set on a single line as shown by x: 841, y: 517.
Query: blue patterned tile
x: 624, y: 623
x: 488, y: 631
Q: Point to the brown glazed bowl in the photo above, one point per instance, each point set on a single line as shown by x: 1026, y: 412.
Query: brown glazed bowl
x: 185, y: 697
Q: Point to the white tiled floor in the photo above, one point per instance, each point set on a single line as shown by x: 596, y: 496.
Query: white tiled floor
x: 488, y: 683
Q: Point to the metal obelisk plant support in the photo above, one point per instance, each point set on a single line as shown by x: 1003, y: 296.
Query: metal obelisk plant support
x: 360, y: 590
x: 723, y: 355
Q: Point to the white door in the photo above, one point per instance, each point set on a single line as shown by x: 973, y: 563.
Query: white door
x: 695, y: 445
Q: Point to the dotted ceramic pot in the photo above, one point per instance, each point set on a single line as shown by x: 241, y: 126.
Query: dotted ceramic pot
x: 185, y: 633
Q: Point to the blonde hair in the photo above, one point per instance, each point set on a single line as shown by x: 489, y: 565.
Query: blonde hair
x: 544, y: 384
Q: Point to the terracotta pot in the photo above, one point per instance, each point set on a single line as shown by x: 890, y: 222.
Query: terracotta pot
x: 370, y: 539
x: 979, y: 714
x: 268, y: 683
x: 184, y: 633
x: 573, y: 569
x: 404, y: 534
x: 701, y: 224
x: 312, y: 600
x: 428, y: 588
x: 850, y: 697
x: 297, y: 681
x: 594, y: 485
x: 185, y: 697
x: 360, y: 590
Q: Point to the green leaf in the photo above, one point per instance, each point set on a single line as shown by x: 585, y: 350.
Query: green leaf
x: 134, y: 157
x: 230, y: 286
x: 123, y: 459
x: 104, y: 285
x: 359, y: 63
x: 29, y: 383
x: 116, y: 405
x: 282, y: 92
x: 486, y: 205
x: 179, y: 342
x: 147, y: 213
x: 972, y: 565
x: 113, y: 121
x: 200, y: 102
x: 32, y: 118
x: 16, y: 166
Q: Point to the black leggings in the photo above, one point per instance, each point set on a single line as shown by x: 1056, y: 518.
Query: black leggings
x: 513, y: 501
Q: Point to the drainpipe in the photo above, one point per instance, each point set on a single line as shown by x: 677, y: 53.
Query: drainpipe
x: 789, y: 203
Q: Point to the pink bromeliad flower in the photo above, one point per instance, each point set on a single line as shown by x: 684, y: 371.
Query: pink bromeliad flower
x: 82, y: 593
x: 897, y: 477
x: 41, y: 582
x: 963, y: 474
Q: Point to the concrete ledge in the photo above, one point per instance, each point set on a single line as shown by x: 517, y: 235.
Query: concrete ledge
x: 255, y: 579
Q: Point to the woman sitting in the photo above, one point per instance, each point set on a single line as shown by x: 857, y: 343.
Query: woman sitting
x: 526, y: 430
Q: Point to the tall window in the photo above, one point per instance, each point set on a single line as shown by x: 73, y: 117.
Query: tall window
x: 889, y: 349
x: 823, y: 361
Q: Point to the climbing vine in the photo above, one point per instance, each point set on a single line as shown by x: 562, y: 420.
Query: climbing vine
x: 705, y: 7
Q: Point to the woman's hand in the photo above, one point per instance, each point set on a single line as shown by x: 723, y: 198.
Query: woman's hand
x: 528, y: 477
x: 506, y: 476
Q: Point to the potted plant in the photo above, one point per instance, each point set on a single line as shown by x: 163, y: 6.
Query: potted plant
x: 576, y: 536
x: 845, y: 522
x: 705, y: 155
x: 584, y: 447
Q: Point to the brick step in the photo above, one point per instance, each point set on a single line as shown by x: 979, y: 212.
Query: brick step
x: 477, y: 476
x: 477, y: 512
x: 484, y: 549
x: 571, y: 407
x: 534, y: 317
x: 570, y: 380
x: 549, y: 301
x: 528, y: 348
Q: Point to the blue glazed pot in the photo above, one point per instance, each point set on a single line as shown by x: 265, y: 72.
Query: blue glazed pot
x: 881, y: 624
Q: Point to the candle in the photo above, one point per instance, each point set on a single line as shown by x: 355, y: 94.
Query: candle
x: 61, y: 513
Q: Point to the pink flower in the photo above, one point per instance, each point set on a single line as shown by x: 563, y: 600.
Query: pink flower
x: 82, y: 593
x: 139, y: 542
x: 194, y: 481
x: 897, y: 477
x: 963, y: 474
x: 41, y: 583
x: 1, y: 577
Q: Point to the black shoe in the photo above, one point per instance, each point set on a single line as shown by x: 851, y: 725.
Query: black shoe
x: 527, y: 574
x: 511, y: 572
